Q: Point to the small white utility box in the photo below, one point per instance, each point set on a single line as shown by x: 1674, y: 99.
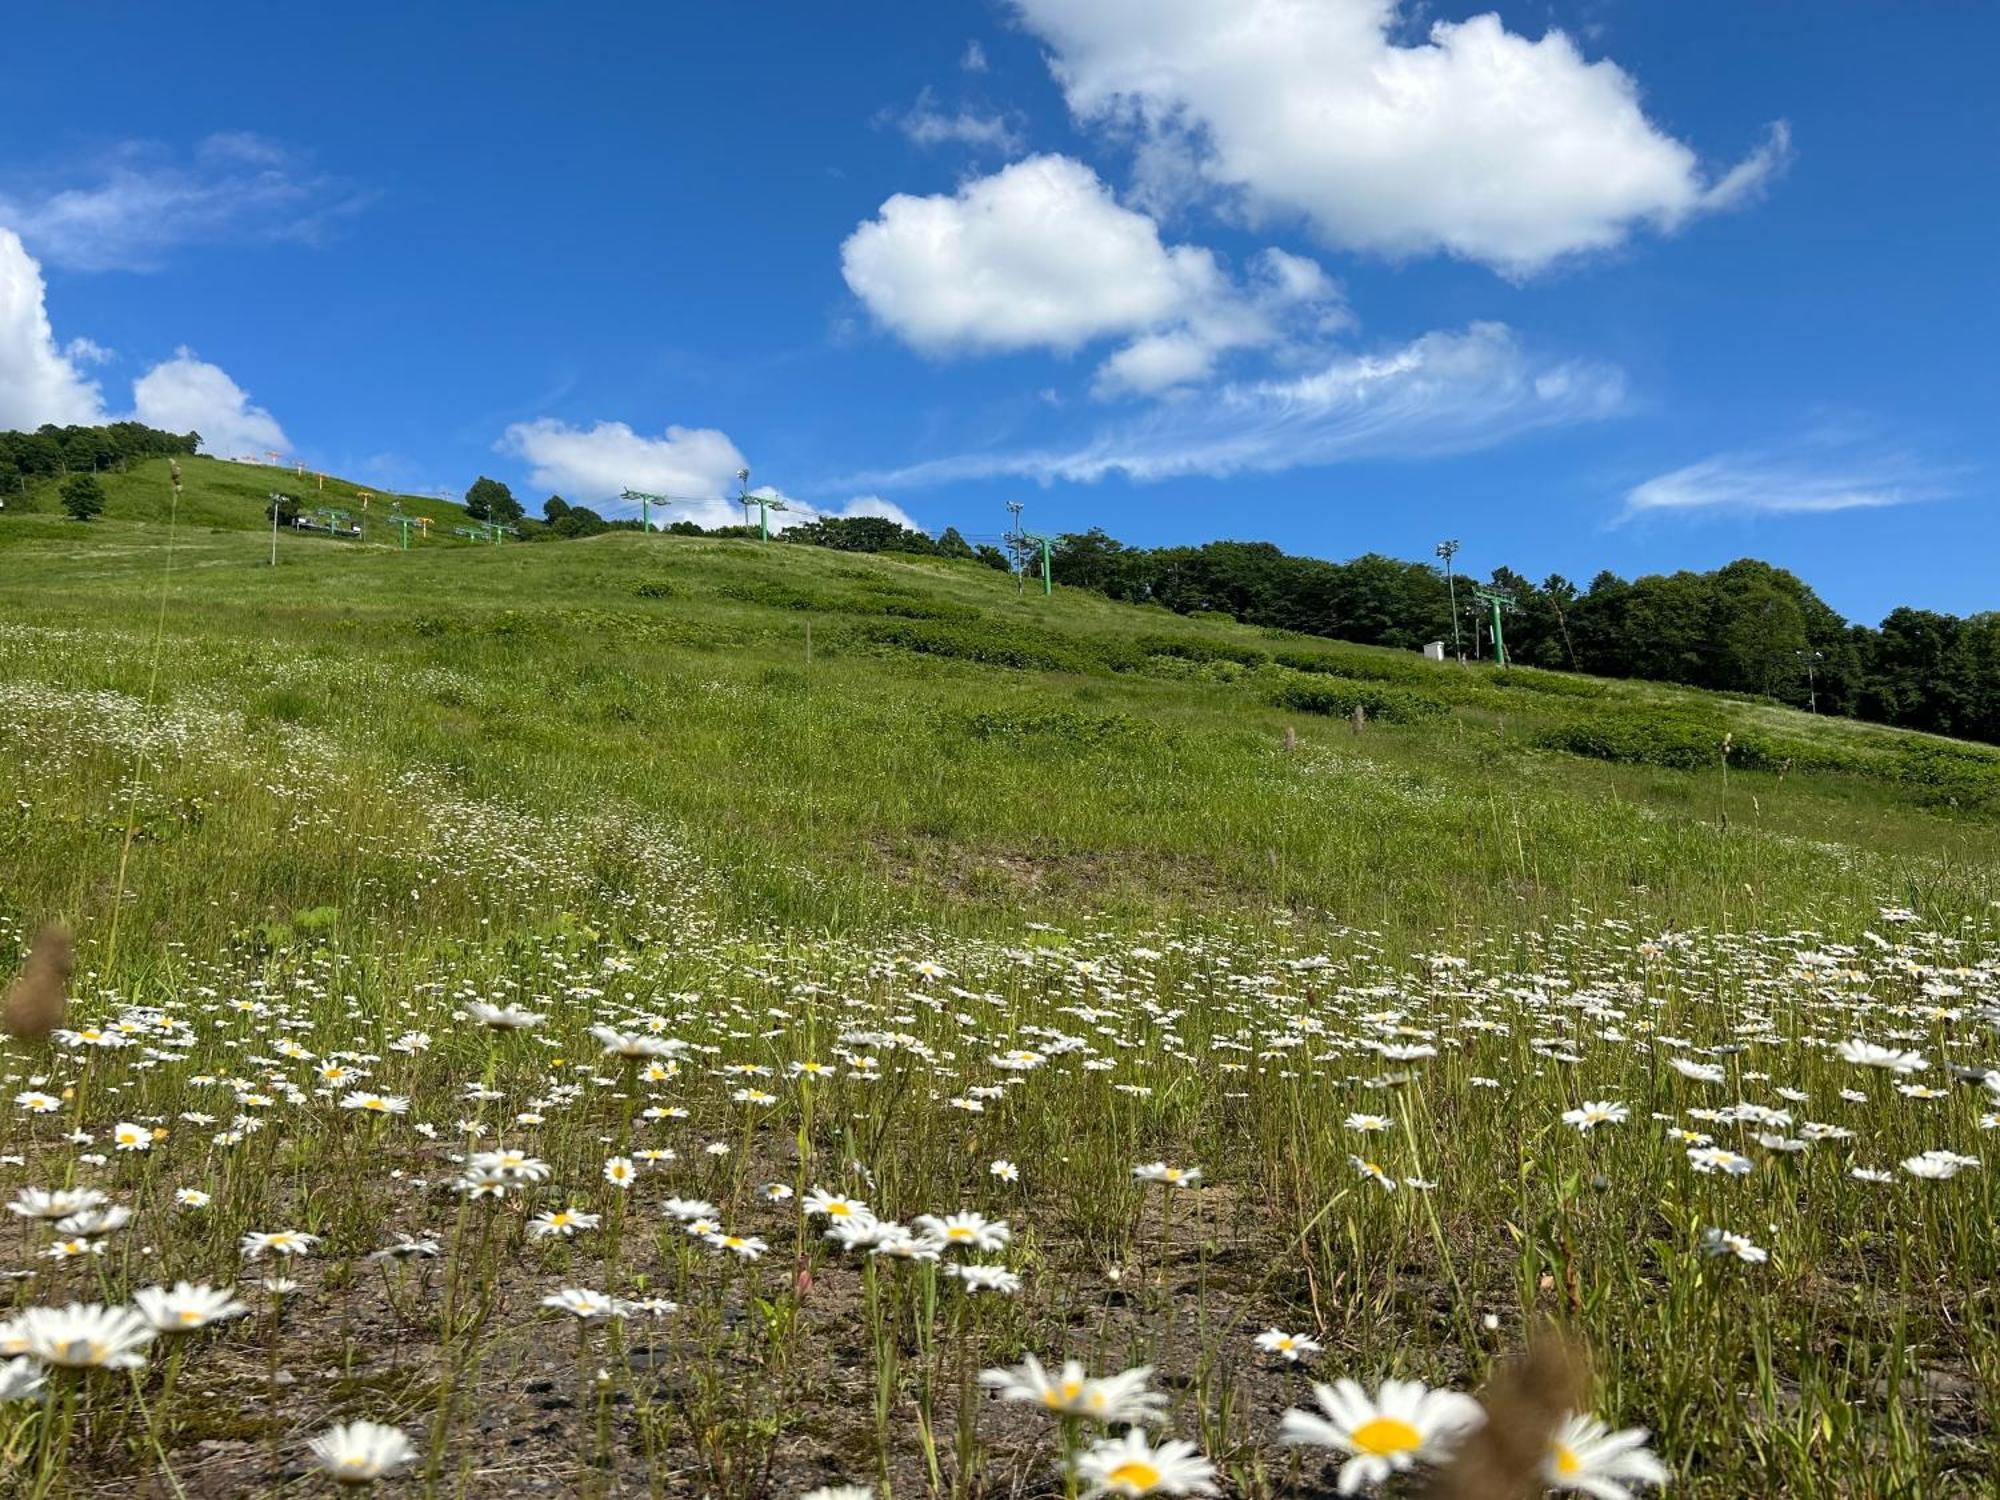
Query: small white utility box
x: 1434, y: 651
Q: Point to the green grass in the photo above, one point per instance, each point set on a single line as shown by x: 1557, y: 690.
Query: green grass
x: 788, y: 804
x: 220, y: 496
x: 949, y: 749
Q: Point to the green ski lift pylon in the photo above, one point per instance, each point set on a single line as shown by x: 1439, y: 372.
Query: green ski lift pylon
x: 403, y: 524
x: 1048, y: 581
x: 485, y: 531
x: 647, y: 501
x: 1496, y: 601
x: 765, y: 505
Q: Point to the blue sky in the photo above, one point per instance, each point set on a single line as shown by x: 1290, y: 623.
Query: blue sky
x: 1585, y: 285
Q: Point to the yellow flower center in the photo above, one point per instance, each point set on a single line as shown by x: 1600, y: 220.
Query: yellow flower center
x: 190, y: 1316
x: 1567, y: 1463
x: 1133, y: 1477
x: 838, y: 1210
x: 1383, y: 1436
x: 958, y: 1232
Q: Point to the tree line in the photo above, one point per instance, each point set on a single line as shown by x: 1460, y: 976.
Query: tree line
x: 1745, y: 628
x: 51, y: 452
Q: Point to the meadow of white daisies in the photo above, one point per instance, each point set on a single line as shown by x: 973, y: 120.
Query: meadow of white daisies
x: 539, y: 1164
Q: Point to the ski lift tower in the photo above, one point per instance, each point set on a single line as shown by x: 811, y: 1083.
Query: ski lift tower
x: 1496, y: 601
x: 765, y: 505
x: 646, y: 503
x: 1048, y: 583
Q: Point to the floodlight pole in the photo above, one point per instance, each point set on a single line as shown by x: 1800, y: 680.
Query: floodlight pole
x: 1014, y: 509
x: 1812, y: 683
x: 1447, y: 551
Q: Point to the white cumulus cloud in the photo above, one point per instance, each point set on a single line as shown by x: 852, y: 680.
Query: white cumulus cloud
x: 1474, y: 141
x: 594, y: 464
x: 695, y: 466
x: 187, y: 394
x: 1041, y: 255
x: 39, y: 380
x: 1037, y: 255
x: 1446, y: 392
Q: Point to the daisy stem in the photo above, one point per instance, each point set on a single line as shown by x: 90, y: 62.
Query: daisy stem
x: 1072, y: 1442
x: 153, y: 1435
x: 53, y: 1454
x: 967, y: 1424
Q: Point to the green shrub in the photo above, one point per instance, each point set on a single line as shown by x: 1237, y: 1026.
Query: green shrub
x: 1949, y: 776
x: 1676, y: 741
x: 910, y: 609
x: 989, y: 644
x: 1554, y: 684
x: 1338, y: 697
x: 1185, y: 649
x: 773, y: 595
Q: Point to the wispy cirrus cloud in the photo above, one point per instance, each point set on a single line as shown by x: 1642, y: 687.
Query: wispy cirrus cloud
x: 1446, y: 392
x: 926, y: 123
x: 128, y: 208
x: 1818, y: 477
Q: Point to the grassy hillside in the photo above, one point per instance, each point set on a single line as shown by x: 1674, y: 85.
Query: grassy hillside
x: 218, y: 495
x: 855, y: 739
x: 1523, y: 1002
